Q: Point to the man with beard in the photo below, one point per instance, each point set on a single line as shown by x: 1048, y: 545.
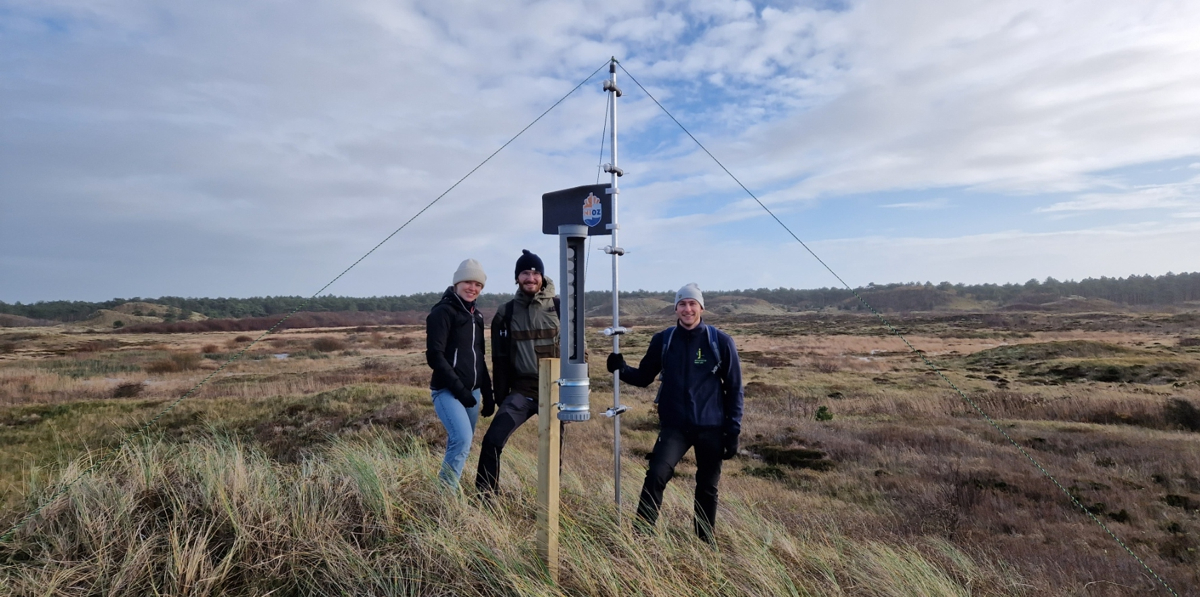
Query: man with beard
x: 524, y: 331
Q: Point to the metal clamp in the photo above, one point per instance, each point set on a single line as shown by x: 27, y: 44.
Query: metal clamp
x: 609, y: 85
x: 572, y: 383
x: 611, y: 169
x: 616, y: 412
x: 611, y: 250
x: 617, y: 331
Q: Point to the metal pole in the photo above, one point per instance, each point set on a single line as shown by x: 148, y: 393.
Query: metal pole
x: 616, y: 330
x: 616, y: 319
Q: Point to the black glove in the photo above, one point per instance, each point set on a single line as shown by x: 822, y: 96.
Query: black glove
x: 729, y: 446
x: 467, y: 398
x: 489, y: 406
x: 615, y: 362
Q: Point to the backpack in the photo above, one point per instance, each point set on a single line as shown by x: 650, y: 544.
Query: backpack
x: 712, y: 344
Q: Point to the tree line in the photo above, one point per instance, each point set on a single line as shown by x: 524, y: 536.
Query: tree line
x: 1167, y: 289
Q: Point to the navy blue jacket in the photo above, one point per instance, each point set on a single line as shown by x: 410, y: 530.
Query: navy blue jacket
x: 692, y: 395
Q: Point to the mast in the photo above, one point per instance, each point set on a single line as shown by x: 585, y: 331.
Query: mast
x: 610, y: 85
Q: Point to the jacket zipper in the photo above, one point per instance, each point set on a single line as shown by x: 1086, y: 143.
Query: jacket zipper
x: 474, y: 357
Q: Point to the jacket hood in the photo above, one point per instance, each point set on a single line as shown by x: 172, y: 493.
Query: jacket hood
x: 451, y: 298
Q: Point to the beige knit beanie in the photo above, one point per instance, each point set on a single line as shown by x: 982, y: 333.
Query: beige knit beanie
x: 470, y: 269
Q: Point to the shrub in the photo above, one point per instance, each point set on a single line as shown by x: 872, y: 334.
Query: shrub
x: 401, y: 343
x: 1181, y: 413
x: 98, y: 345
x: 210, y: 349
x: 328, y: 344
x: 118, y: 324
x: 129, y: 389
x: 824, y: 414
x: 374, y: 364
x: 179, y: 361
x: 243, y: 338
x: 827, y: 365
x: 8, y: 347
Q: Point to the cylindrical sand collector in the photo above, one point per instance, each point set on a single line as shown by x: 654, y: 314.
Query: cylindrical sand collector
x: 573, y: 394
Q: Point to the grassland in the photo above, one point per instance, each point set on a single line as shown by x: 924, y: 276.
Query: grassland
x: 862, y: 472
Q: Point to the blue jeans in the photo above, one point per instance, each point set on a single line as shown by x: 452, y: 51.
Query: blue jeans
x: 459, y: 422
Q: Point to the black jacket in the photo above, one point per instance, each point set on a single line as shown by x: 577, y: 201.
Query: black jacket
x: 692, y: 394
x: 454, y: 347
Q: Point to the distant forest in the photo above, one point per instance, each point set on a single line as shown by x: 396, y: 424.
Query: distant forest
x: 1168, y: 289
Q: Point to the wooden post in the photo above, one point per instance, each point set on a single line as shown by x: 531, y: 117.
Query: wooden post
x: 548, y: 458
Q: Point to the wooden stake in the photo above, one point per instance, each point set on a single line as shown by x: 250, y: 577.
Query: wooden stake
x: 548, y: 459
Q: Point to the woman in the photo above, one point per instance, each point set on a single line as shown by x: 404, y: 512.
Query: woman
x: 454, y: 350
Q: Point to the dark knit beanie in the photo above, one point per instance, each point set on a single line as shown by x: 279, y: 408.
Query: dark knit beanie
x: 528, y: 260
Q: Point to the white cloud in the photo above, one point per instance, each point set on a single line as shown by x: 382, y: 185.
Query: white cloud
x: 233, y: 148
x: 1153, y: 197
x: 939, y: 203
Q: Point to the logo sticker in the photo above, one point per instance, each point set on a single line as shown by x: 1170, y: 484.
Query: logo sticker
x: 591, y: 210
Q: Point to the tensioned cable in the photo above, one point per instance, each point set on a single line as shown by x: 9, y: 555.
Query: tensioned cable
x: 897, y: 333
x: 599, y: 168
x: 66, y: 487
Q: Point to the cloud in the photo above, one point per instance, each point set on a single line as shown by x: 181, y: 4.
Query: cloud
x: 232, y: 148
x: 1151, y: 197
x: 939, y: 203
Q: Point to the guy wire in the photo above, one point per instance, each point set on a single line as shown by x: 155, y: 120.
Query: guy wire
x: 66, y: 487
x: 896, y: 332
x: 599, y: 168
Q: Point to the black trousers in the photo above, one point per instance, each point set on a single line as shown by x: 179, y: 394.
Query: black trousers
x: 670, y: 447
x: 512, y: 413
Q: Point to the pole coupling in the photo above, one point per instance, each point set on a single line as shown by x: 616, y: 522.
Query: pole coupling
x: 611, y: 169
x: 609, y: 85
x: 617, y: 331
x: 611, y: 250
x: 616, y: 411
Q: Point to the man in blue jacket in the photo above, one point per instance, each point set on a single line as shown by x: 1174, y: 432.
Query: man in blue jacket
x: 699, y: 406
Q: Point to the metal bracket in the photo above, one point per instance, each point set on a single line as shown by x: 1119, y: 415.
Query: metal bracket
x: 610, y: 86
x: 617, y: 331
x: 611, y: 250
x: 616, y: 412
x: 611, y: 169
x: 572, y: 383
x: 612, y: 191
x: 613, y: 226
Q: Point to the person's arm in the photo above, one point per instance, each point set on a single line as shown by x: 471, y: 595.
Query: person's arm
x: 731, y: 386
x: 437, y: 335
x: 500, y: 354
x: 649, y: 367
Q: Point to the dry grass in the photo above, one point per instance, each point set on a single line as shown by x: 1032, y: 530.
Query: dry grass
x: 367, y: 517
x: 905, y: 491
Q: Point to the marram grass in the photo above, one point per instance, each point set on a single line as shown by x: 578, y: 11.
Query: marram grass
x: 367, y: 516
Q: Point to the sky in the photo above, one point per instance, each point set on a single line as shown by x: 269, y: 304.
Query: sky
x: 250, y: 148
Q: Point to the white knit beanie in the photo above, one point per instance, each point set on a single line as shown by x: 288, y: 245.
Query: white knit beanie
x: 690, y: 291
x: 470, y: 269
